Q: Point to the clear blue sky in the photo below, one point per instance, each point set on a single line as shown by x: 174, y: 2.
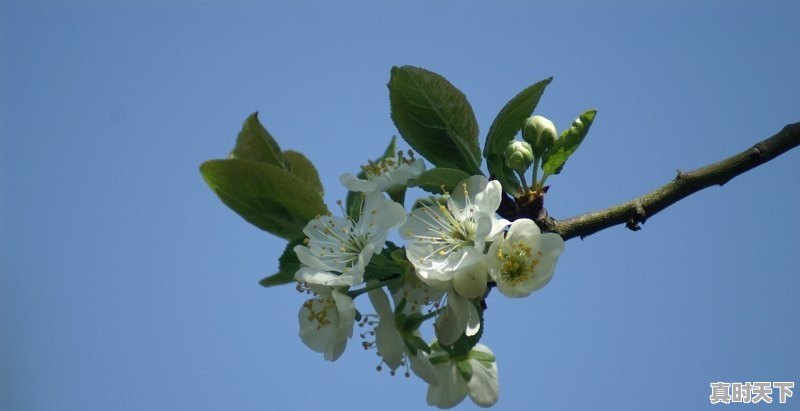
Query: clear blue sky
x: 125, y: 284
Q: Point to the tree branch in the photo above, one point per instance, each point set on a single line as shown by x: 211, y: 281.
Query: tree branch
x: 639, y: 209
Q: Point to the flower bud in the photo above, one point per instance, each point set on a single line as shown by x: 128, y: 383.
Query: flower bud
x: 540, y: 133
x: 519, y: 156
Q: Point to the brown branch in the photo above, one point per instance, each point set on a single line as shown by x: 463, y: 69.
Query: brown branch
x: 639, y: 209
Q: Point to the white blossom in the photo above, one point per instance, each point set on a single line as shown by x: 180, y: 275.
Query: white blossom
x: 475, y: 375
x: 338, y: 249
x: 393, y: 340
x: 444, y: 240
x: 387, y: 173
x: 524, y: 261
x: 326, y: 322
x: 446, y: 244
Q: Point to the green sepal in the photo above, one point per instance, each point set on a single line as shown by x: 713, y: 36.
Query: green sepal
x: 465, y: 370
x: 288, y: 264
x: 435, y: 118
x: 439, y: 180
x: 267, y: 196
x: 505, y: 126
x: 570, y: 140
x: 439, y: 357
x: 417, y: 343
x: 254, y: 143
x: 481, y: 356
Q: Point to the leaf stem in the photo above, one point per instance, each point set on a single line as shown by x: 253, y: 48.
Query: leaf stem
x: 371, y: 286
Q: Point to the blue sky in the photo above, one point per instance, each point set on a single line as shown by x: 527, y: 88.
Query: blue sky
x: 126, y: 284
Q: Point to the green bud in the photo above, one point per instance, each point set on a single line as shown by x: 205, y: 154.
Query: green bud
x: 540, y: 133
x: 519, y: 156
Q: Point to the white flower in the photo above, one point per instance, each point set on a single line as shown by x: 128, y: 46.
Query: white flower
x: 524, y: 261
x: 338, y: 249
x: 326, y: 322
x: 385, y: 174
x: 475, y: 375
x: 444, y: 240
x: 446, y: 246
x: 395, y: 342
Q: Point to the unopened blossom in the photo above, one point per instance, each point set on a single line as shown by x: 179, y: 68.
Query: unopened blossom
x: 384, y: 174
x: 474, y: 375
x: 525, y: 259
x: 326, y: 321
x: 395, y: 341
x: 338, y: 249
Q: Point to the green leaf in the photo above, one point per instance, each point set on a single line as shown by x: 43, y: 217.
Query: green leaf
x: 256, y: 144
x: 569, y: 141
x: 505, y: 126
x: 354, y: 199
x: 435, y: 118
x: 465, y: 369
x: 265, y: 195
x: 303, y: 169
x: 434, y: 179
x: 288, y: 264
x: 381, y: 267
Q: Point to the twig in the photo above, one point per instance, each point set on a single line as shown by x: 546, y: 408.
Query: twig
x: 638, y: 210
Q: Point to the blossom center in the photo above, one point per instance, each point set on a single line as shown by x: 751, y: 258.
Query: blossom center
x: 375, y: 169
x: 318, y: 309
x: 518, y: 263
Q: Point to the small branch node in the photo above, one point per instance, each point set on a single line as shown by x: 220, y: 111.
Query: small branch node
x: 680, y: 174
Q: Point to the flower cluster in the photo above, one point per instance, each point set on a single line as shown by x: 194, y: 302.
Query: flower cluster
x: 456, y: 249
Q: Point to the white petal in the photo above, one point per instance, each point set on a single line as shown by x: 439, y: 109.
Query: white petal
x: 452, y: 322
x: 489, y: 198
x: 451, y: 390
x: 346, y: 319
x: 469, y: 280
x: 308, y: 258
x: 314, y: 334
x: 473, y: 321
x: 314, y: 276
x: 378, y: 217
x: 484, y: 388
x: 423, y: 368
x: 390, y: 343
x: 472, y: 185
x: 353, y: 183
x: 380, y: 302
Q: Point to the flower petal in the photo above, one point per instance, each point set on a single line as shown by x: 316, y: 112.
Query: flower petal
x: 484, y: 388
x: 450, y: 390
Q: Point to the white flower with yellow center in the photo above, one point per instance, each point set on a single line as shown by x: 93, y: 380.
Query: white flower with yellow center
x: 475, y: 375
x: 445, y: 243
x: 338, y: 249
x: 443, y: 240
x: 385, y: 174
x: 326, y: 321
x: 524, y: 261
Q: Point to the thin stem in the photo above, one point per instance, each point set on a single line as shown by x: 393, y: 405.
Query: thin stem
x: 370, y: 286
x: 535, y: 173
x: 684, y: 184
x: 522, y: 180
